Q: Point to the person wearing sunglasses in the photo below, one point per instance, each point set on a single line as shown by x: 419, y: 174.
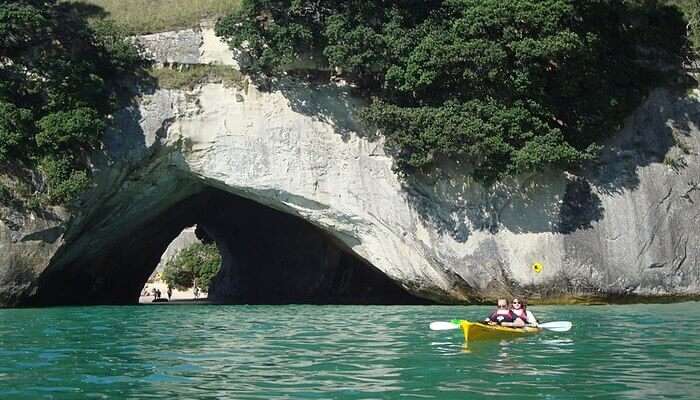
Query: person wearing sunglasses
x: 502, y: 315
x: 519, y: 309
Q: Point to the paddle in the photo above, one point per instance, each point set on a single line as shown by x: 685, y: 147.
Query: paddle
x: 442, y: 326
x: 556, y: 326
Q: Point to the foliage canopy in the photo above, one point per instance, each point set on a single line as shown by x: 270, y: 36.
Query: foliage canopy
x: 59, y: 80
x: 194, y: 266
x: 509, y: 86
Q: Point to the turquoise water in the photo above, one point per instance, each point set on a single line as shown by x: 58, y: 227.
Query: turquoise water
x: 343, y: 352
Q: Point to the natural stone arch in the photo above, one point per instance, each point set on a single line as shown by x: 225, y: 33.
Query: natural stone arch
x: 269, y: 257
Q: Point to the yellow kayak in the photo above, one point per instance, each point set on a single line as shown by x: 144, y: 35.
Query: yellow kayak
x: 479, y: 331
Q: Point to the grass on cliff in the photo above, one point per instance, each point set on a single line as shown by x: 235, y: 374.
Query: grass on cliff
x: 191, y: 76
x: 148, y: 16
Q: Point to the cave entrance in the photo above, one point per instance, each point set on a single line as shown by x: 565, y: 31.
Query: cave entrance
x: 268, y: 257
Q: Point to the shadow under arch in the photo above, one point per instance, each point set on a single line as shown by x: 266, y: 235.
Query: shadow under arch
x: 268, y: 257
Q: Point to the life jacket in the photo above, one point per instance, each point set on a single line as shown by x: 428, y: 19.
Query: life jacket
x: 522, y: 316
x: 499, y: 316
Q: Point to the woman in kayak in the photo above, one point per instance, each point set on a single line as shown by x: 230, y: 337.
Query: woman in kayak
x: 502, y: 315
x: 519, y: 309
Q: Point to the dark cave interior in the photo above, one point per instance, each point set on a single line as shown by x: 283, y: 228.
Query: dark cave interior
x: 268, y: 257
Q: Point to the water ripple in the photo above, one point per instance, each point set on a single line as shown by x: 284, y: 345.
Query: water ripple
x: 342, y: 352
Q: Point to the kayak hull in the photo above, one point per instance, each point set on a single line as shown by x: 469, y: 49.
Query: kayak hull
x: 478, y: 331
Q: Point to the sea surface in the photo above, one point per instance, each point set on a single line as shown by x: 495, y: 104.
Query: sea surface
x: 344, y: 352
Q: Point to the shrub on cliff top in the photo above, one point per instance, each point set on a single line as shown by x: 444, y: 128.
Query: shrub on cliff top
x: 59, y: 79
x: 510, y: 86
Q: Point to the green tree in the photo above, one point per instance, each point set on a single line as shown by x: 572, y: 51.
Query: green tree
x: 691, y: 8
x: 194, y: 266
x: 60, y: 78
x: 14, y: 124
x: 508, y: 86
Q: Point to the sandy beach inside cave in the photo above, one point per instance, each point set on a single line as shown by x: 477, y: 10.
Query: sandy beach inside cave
x: 177, y: 294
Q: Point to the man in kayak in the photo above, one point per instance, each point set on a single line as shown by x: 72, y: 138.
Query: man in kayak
x: 502, y: 315
x: 519, y: 309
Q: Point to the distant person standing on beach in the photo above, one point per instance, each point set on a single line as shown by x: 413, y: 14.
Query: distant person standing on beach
x: 195, y: 289
x: 170, y: 292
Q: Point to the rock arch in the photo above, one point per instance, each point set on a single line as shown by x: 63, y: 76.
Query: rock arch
x: 269, y: 257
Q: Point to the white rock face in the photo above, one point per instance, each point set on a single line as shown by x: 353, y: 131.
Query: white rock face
x: 626, y: 226
x: 262, y: 149
x: 185, y: 239
x: 634, y: 217
x: 188, y: 47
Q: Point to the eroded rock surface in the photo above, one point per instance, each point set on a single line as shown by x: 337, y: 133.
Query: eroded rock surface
x: 624, y: 226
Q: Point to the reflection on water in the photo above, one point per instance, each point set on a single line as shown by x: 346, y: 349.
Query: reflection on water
x: 342, y: 352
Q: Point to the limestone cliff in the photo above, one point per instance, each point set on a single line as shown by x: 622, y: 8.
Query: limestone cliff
x: 185, y: 239
x: 305, y: 206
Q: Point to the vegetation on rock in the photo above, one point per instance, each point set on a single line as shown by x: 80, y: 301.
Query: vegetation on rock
x: 59, y: 81
x: 691, y: 9
x: 189, y: 76
x: 194, y: 266
x: 507, y: 86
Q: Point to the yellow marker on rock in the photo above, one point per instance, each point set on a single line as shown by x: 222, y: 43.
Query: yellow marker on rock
x: 537, y: 267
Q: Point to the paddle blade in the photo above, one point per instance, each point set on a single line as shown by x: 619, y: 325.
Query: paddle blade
x: 556, y: 326
x: 443, y: 326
